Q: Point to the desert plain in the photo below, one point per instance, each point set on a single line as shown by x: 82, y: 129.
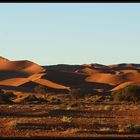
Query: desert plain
x: 63, y: 100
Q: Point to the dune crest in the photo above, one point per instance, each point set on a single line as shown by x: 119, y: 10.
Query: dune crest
x: 25, y: 75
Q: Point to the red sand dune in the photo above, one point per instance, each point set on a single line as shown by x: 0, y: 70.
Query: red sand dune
x: 24, y: 66
x: 87, y: 71
x: 64, y: 78
x: 14, y: 81
x: 125, y: 84
x: 107, y: 78
x: 50, y: 84
x: 31, y: 82
x: 27, y: 74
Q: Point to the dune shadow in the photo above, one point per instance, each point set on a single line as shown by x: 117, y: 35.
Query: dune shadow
x: 7, y: 74
x: 22, y: 89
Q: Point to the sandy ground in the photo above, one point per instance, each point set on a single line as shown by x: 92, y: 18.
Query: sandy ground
x: 87, y: 120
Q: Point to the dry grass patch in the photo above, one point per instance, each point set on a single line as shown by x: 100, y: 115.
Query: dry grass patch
x: 67, y: 119
x: 108, y: 108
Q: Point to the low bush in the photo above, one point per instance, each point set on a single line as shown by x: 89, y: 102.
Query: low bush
x: 108, y: 108
x: 73, y: 105
x: 129, y: 128
x: 54, y: 100
x: 10, y: 95
x: 42, y: 90
x: 77, y: 93
x: 67, y: 119
x: 129, y: 93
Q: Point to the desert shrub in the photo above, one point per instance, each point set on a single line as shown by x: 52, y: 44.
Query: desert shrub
x: 129, y: 128
x: 10, y: 95
x: 73, y: 105
x: 117, y: 95
x: 108, y: 107
x: 135, y: 129
x: 54, y: 100
x: 7, y: 95
x: 67, y: 119
x: 41, y: 99
x: 34, y: 99
x: 77, y: 93
x: 124, y: 128
x: 129, y: 93
x: 41, y: 89
x: 95, y: 98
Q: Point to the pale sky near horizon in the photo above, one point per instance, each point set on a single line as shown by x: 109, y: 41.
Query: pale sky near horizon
x: 70, y: 33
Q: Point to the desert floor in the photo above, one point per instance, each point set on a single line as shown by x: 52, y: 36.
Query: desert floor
x: 84, y: 118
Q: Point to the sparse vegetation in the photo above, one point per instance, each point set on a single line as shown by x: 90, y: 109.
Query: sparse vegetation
x: 54, y: 100
x: 77, y: 93
x: 108, y: 107
x: 30, y: 99
x: 10, y: 95
x: 130, y: 93
x: 129, y: 128
x: 6, y: 97
x: 136, y: 129
x: 94, y: 98
x: 72, y: 105
x: 67, y: 119
x: 42, y: 90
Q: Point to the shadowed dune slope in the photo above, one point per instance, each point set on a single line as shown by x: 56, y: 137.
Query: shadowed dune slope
x: 64, y: 78
x: 64, y: 67
x: 50, y: 84
x: 23, y: 68
x: 25, y: 75
x: 125, y: 66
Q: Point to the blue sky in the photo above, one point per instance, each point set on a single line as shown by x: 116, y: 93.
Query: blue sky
x: 62, y: 33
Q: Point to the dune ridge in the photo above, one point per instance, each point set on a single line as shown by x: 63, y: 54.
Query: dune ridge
x: 27, y: 74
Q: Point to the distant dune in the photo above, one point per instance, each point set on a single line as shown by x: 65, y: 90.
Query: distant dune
x: 25, y: 75
x: 24, y: 68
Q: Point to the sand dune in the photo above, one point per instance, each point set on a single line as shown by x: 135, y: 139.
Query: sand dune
x: 124, y: 66
x: 3, y: 59
x: 106, y: 78
x: 24, y: 75
x: 64, y: 78
x: 23, y: 67
x: 50, y: 84
x: 122, y: 85
x: 64, y: 67
x: 87, y: 71
x: 133, y: 76
x: 14, y: 81
x: 31, y: 83
x: 125, y: 84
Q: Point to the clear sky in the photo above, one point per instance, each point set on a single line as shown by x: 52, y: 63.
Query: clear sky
x: 62, y: 33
